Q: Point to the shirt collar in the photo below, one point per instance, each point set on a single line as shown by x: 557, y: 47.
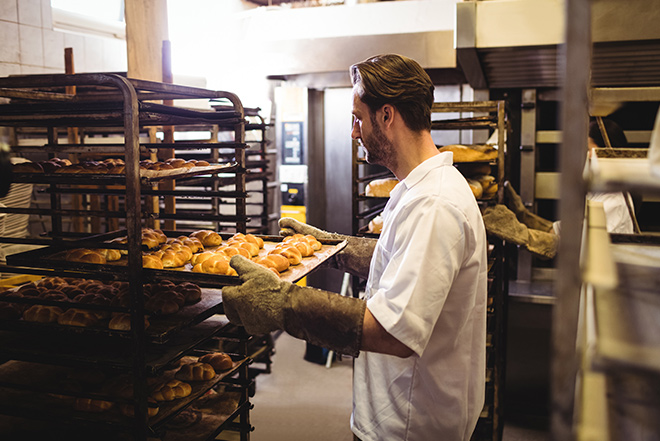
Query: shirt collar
x: 418, y: 173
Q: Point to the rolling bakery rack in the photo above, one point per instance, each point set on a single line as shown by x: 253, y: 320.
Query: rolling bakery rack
x: 40, y: 356
x: 489, y: 115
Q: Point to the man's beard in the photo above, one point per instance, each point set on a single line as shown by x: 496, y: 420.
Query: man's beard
x: 379, y: 148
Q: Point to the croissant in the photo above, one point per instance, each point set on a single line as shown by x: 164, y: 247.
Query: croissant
x: 195, y: 372
x: 207, y: 237
x: 276, y: 261
x: 292, y: 253
x: 172, y: 390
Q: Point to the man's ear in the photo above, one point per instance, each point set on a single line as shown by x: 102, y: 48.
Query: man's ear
x: 388, y: 113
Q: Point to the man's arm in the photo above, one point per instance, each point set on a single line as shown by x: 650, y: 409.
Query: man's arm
x: 376, y: 339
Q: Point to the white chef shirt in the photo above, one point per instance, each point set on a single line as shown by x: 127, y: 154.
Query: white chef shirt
x: 427, y: 287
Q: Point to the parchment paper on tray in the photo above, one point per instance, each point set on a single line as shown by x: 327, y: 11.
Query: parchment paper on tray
x: 183, y: 172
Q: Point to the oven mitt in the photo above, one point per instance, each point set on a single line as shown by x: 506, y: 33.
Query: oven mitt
x: 354, y: 259
x: 502, y: 222
x: 265, y: 303
x: 515, y: 204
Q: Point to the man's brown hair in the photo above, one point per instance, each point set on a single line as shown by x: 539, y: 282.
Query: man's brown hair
x: 399, y: 81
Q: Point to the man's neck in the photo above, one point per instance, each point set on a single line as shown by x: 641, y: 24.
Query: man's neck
x: 412, y: 150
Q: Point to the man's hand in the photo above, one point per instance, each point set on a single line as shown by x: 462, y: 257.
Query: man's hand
x: 355, y: 258
x: 264, y: 303
x: 258, y: 303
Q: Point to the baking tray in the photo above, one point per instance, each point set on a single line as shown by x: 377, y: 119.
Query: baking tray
x: 27, y: 389
x: 45, y: 258
x: 160, y: 330
x: 81, y: 350
x: 146, y: 176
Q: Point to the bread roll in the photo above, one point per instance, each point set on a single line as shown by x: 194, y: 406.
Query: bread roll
x: 290, y: 252
x: 122, y: 322
x: 42, y: 314
x: 276, y: 261
x: 208, y: 237
x: 190, y: 292
x: 176, y: 162
x: 475, y: 186
x: 110, y: 255
x: 380, y: 188
x: 219, y: 361
x: 171, y: 390
x: 488, y: 184
x: 77, y: 317
x: 231, y: 251
x: 162, y: 305
x: 151, y: 261
x: 201, y: 257
x: 27, y: 167
x: 252, y: 248
x: 85, y: 255
x: 195, y: 372
x: 90, y: 405
x: 248, y: 238
x: 376, y: 225
x: 474, y: 153
x: 216, y: 264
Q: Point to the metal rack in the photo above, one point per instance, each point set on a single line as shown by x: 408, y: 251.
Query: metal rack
x: 114, y: 102
x: 490, y: 424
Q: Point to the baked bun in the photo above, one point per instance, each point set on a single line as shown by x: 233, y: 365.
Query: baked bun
x: 90, y: 405
x: 251, y: 248
x: 380, y: 188
x: 110, y: 254
x: 176, y: 162
x: 208, y: 237
x: 276, y: 261
x: 251, y: 238
x: 216, y: 264
x: 219, y: 361
x: 171, y: 390
x: 151, y: 261
x: 475, y: 186
x: 162, y: 305
x: 473, y: 153
x: 376, y: 225
x: 27, y: 167
x: 488, y: 184
x: 304, y: 247
x: 195, y: 372
x: 122, y: 322
x: 292, y: 253
x: 231, y: 251
x: 193, y: 243
x: 85, y: 255
x: 191, y: 292
x: 77, y: 317
x: 42, y: 314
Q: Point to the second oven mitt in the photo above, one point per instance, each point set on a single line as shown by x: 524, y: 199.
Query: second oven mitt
x: 354, y: 259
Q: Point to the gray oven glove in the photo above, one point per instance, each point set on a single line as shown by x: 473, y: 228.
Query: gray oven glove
x: 355, y: 258
x: 265, y: 303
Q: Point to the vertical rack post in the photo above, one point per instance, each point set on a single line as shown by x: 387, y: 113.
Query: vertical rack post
x: 574, y: 118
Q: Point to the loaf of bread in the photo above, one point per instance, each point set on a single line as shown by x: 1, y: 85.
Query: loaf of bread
x: 219, y: 361
x: 488, y: 184
x: 42, y: 314
x: 275, y: 261
x: 207, y: 237
x: 380, y: 188
x: 195, y: 372
x: 171, y: 391
x: 77, y: 317
x: 85, y: 255
x: 27, y: 167
x: 473, y: 153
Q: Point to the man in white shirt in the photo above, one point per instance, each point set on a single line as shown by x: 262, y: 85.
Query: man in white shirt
x: 421, y: 327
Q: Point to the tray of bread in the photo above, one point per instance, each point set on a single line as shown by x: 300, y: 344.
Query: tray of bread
x: 84, y: 306
x: 100, y: 395
x: 150, y: 171
x: 200, y: 257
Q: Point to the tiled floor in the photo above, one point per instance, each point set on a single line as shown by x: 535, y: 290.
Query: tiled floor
x: 300, y: 400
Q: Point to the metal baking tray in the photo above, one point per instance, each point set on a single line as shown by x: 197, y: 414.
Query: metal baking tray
x: 47, y: 258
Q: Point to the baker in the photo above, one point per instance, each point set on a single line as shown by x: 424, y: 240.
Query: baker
x: 420, y: 330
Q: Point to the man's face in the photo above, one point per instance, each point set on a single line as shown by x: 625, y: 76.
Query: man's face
x: 367, y: 129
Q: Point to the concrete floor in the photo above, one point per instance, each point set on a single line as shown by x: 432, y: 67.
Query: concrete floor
x: 300, y: 400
